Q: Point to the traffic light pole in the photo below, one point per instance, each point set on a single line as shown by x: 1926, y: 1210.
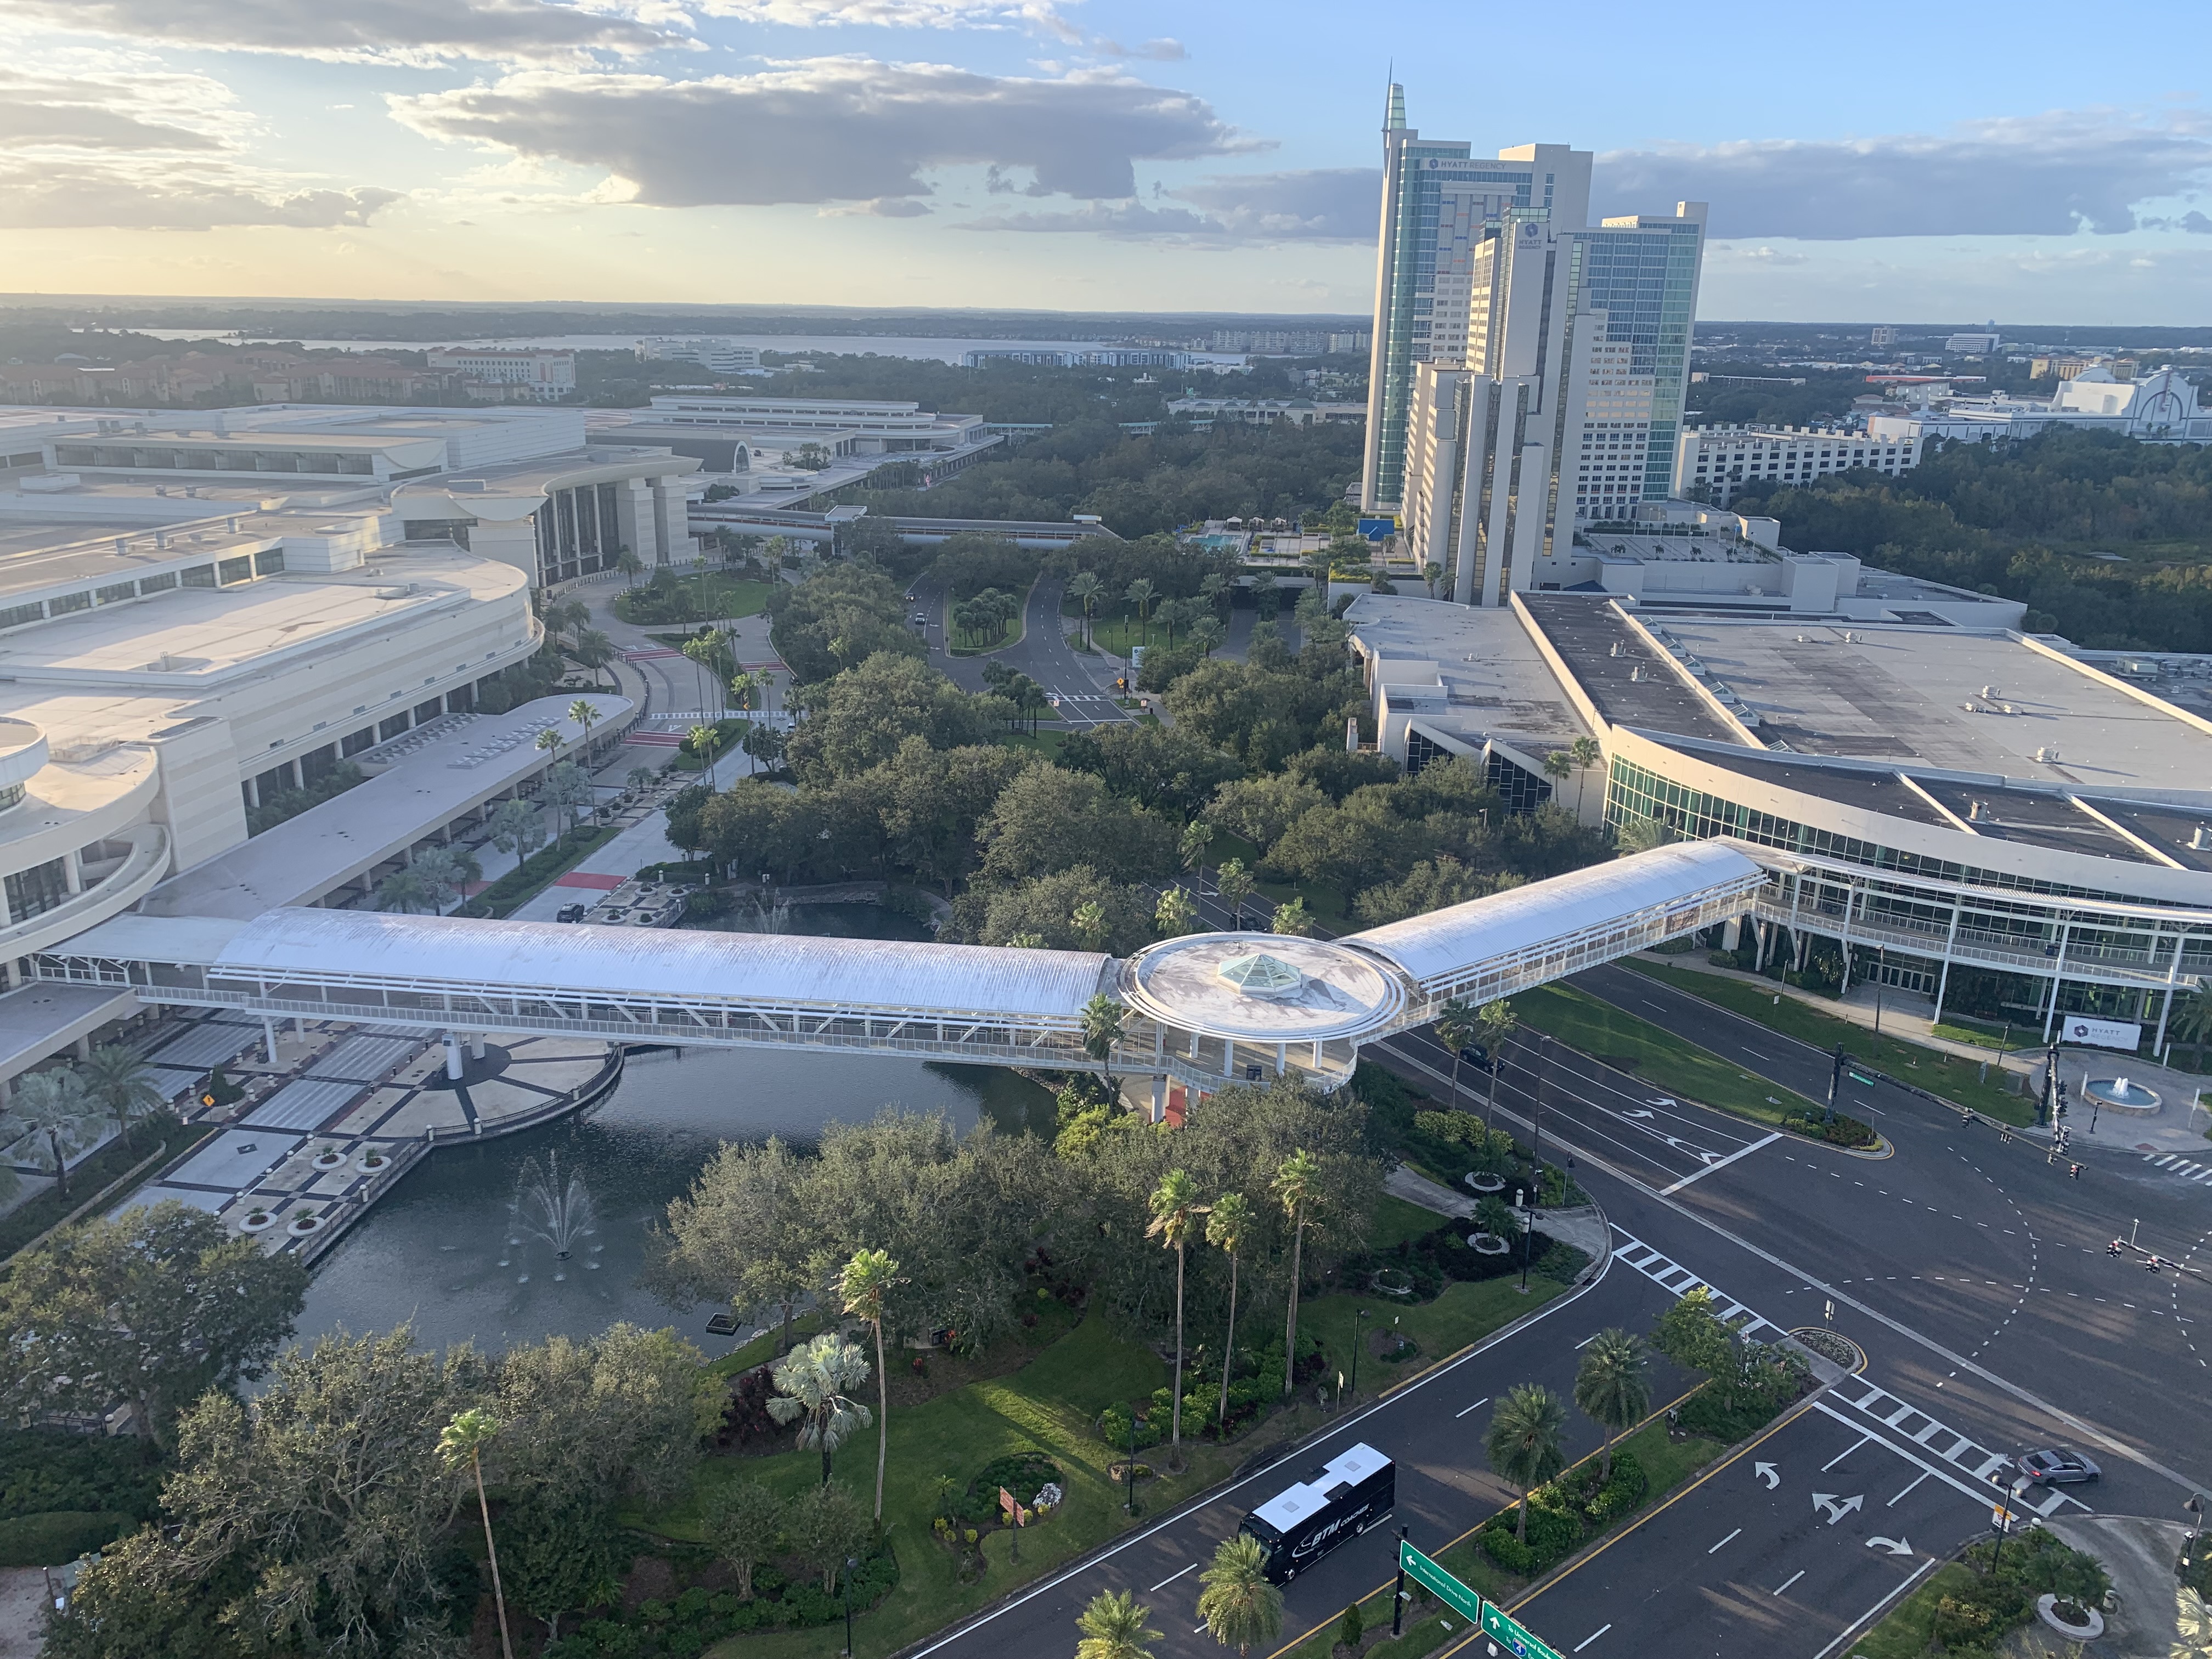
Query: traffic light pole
x: 1836, y: 1080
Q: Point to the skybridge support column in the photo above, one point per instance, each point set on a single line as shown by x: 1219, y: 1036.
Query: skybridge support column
x: 2173, y: 979
x: 269, y: 1038
x: 1159, y: 1096
x: 476, y: 1045
x: 453, y: 1061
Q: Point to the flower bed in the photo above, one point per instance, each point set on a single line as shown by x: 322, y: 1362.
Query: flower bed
x: 1562, y: 1513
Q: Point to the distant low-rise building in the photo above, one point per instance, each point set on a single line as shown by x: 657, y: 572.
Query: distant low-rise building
x: 2161, y: 407
x: 718, y: 353
x: 1263, y: 411
x: 546, y: 376
x: 1723, y: 461
x: 1976, y: 342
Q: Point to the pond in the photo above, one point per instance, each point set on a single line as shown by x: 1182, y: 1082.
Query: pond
x: 449, y: 1249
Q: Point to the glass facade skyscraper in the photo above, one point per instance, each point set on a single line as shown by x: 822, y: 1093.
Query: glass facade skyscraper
x: 1642, y: 275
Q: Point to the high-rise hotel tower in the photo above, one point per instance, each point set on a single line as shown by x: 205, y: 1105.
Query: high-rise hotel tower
x: 1528, y: 368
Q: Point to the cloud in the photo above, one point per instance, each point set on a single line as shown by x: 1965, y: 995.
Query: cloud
x: 1759, y: 256
x: 142, y: 149
x: 1329, y: 204
x: 884, y: 207
x: 2195, y: 223
x: 2046, y: 174
x: 828, y: 130
x: 1165, y: 50
x: 360, y: 31
x: 1128, y: 220
x: 897, y: 14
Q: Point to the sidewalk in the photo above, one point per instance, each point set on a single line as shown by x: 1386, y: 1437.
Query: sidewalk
x: 2176, y: 1127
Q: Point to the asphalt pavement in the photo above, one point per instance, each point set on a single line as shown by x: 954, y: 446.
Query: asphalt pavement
x: 1083, y: 683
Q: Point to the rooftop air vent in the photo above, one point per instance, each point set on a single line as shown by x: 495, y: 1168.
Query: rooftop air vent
x: 1616, y: 651
x: 2047, y: 754
x: 1991, y: 691
x: 1977, y: 812
x: 2202, y: 841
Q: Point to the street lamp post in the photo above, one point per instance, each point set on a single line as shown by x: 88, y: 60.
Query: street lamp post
x: 1526, y: 1201
x: 1129, y: 1469
x: 1356, y: 1319
x: 852, y: 1565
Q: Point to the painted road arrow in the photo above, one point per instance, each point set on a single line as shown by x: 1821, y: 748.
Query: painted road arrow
x: 1827, y: 1503
x: 1895, y: 1546
x: 1767, y: 1473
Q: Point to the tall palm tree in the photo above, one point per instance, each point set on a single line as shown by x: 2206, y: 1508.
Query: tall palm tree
x: 1085, y: 588
x: 1297, y: 1188
x: 2191, y: 1020
x: 1613, y: 1387
x: 465, y: 1439
x: 701, y: 741
x: 631, y: 566
x: 1639, y: 834
x: 1431, y: 574
x: 1141, y: 593
x: 1211, y: 587
x: 811, y: 1382
x: 862, y: 1287
x: 1557, y: 765
x: 1586, y: 754
x: 1197, y: 837
x: 1523, y: 1442
x: 1238, y: 1604
x: 121, y: 1081
x: 585, y: 713
x: 1113, y: 1627
x: 1226, y: 1230
x: 1498, y: 1023
x: 1176, y: 1210
x: 55, y: 1104
x: 1088, y: 920
x: 1101, y: 1030
x: 1232, y: 886
x: 1456, y: 1028
x: 406, y: 891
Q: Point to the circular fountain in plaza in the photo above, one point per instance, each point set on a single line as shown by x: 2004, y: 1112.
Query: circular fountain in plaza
x: 2118, y: 1094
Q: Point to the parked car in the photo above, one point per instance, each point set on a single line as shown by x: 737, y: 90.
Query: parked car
x: 570, y: 912
x: 2052, y: 1467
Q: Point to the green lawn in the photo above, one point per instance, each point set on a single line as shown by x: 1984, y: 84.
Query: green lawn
x: 1953, y: 1077
x: 1394, y: 1221
x: 1909, y: 1631
x: 1464, y: 1313
x: 715, y: 598
x: 1671, y: 1064
x: 1045, y: 741
x: 1047, y: 1405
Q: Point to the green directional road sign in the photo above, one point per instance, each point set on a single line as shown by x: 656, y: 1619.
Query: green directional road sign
x: 1446, y: 1588
x: 1509, y: 1634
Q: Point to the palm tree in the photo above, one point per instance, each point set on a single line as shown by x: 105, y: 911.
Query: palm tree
x: 811, y: 1383
x: 1211, y: 587
x: 517, y: 827
x: 1101, y: 1030
x: 1113, y: 1627
x: 1207, y: 634
x: 1088, y: 920
x: 1238, y: 1604
x: 1226, y: 1230
x: 549, y: 743
x: 121, y: 1081
x: 56, y: 1104
x: 587, y: 714
x: 1638, y: 833
x: 1297, y: 1188
x: 1557, y: 764
x: 1611, y: 1388
x: 631, y: 566
x: 700, y: 650
x: 1586, y: 754
x: 1293, y: 919
x: 593, y: 650
x: 1431, y: 574
x: 406, y: 891
x: 1197, y: 837
x: 466, y: 1437
x: 1085, y: 588
x: 2191, y: 1020
x: 1456, y: 1028
x: 1232, y: 886
x: 1498, y: 1025
x: 1176, y: 1210
x: 1141, y: 593
x: 701, y: 739
x: 866, y: 1280
x: 1171, y: 916
x: 1523, y: 1442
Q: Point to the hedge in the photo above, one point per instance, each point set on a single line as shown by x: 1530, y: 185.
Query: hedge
x: 57, y: 1536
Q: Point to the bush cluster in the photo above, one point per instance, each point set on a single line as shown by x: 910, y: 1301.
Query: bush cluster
x: 1843, y: 1131
x: 61, y: 1494
x: 1022, y: 1474
x: 2001, y: 1596
x: 1435, y: 1259
x: 1563, y: 1512
x: 698, y: 1618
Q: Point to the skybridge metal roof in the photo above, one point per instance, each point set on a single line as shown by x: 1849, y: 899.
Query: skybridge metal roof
x: 1441, y: 945
x: 623, y: 962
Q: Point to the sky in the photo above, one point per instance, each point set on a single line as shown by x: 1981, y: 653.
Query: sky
x: 2041, y: 163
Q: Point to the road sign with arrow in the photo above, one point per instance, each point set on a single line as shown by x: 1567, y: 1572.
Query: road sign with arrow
x: 1512, y: 1635
x: 1448, y: 1589
x: 1828, y: 1504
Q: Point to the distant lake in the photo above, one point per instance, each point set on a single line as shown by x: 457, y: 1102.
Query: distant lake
x: 948, y: 351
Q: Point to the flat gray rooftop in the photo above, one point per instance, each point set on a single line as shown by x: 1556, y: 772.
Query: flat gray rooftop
x: 1903, y: 694
x: 1638, y: 688
x: 1496, y: 681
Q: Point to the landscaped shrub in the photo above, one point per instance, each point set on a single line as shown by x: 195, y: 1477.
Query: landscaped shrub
x: 1554, y: 1534
x: 1843, y: 1131
x: 43, y: 1470
x: 1114, y: 1428
x: 698, y: 1618
x: 1020, y: 1475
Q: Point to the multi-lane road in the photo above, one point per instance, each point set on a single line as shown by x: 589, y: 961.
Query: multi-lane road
x: 1081, y: 684
x: 1973, y: 1274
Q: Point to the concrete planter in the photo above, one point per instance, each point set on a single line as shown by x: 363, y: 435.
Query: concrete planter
x: 2046, y: 1609
x: 257, y: 1221
x: 1487, y: 1244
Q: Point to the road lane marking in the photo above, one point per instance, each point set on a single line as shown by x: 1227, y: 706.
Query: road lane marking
x: 1715, y: 1548
x: 1170, y: 1579
x: 1860, y: 1623
x: 1841, y: 1456
x: 1917, y: 1480
x: 1586, y: 1341
x: 1720, y: 1163
x: 1592, y: 1636
x: 1030, y: 1592
x: 1788, y: 1582
x: 1478, y: 1406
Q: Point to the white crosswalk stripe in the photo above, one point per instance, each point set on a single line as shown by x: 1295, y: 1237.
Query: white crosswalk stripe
x: 1670, y: 1275
x: 1946, y: 1442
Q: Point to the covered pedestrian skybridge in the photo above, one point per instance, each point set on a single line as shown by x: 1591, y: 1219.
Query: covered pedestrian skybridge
x: 1202, y: 1008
